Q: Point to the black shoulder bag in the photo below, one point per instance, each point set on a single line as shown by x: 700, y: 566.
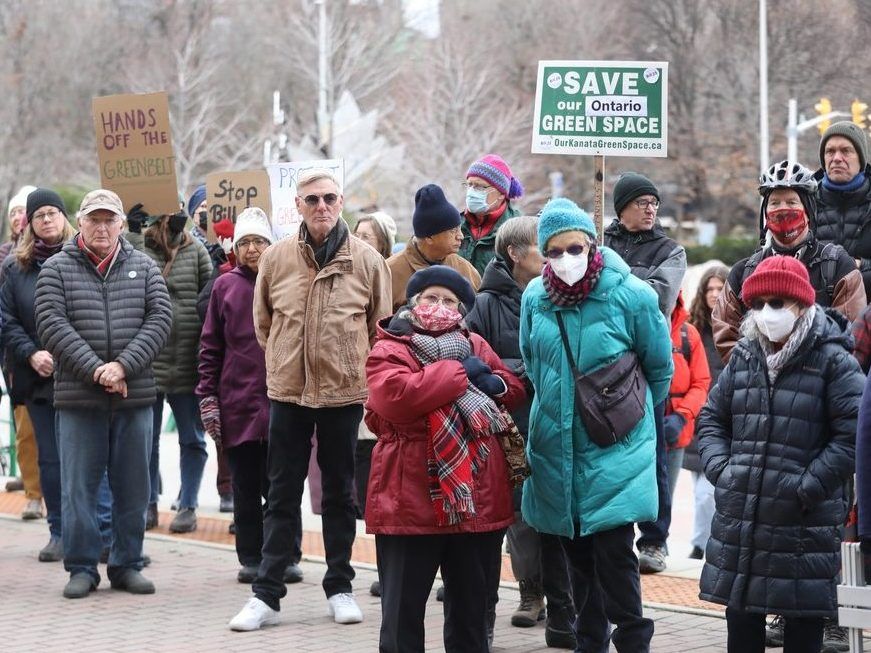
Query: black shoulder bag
x: 610, y: 400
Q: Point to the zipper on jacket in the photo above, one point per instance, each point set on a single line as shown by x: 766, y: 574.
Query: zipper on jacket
x: 105, y: 292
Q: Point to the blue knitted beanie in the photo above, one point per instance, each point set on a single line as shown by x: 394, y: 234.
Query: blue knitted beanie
x: 559, y: 215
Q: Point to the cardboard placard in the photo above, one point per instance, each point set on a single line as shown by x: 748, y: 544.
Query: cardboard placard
x: 282, y: 181
x: 230, y: 193
x: 134, y: 147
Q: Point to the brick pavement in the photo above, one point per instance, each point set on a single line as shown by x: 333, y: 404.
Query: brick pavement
x: 197, y: 593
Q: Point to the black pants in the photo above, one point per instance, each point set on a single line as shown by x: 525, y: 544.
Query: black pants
x: 607, y: 588
x: 362, y: 465
x: 747, y: 633
x: 656, y: 532
x: 407, y: 566
x: 250, y: 485
x: 290, y: 433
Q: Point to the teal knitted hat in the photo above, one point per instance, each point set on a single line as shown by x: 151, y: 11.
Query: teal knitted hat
x: 559, y: 215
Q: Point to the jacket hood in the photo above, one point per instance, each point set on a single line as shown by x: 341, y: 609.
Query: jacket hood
x: 679, y: 315
x: 829, y: 327
x: 497, y: 279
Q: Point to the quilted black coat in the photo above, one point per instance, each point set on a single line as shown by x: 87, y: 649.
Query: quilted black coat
x: 779, y: 457
x: 85, y: 321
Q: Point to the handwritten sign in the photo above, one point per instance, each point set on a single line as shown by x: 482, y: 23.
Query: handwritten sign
x: 282, y: 181
x: 134, y: 147
x: 230, y: 193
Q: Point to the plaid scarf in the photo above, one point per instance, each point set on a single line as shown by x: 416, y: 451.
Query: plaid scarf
x: 455, y: 446
x: 103, y: 265
x: 562, y: 294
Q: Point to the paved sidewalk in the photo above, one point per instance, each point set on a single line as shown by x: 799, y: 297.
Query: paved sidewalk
x: 197, y: 594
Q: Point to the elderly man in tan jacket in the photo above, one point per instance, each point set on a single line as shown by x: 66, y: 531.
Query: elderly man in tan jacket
x: 437, y: 238
x: 316, y: 302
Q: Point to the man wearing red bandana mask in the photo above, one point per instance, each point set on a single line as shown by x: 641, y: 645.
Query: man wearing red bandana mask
x: 786, y: 219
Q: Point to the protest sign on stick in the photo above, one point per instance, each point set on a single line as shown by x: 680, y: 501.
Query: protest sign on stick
x: 134, y: 148
x: 230, y: 193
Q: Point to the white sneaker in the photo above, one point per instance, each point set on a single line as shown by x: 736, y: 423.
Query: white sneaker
x: 254, y: 615
x: 343, y: 609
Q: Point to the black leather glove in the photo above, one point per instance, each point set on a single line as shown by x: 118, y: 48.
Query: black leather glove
x: 136, y: 217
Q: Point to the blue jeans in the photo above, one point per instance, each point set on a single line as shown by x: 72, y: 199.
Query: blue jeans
x: 192, y: 443
x: 656, y: 532
x: 92, y: 443
x: 675, y: 460
x: 42, y: 415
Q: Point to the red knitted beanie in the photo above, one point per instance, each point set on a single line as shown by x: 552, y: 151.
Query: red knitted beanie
x: 779, y: 276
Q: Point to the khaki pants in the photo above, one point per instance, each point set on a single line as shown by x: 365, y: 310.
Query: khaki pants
x: 26, y: 453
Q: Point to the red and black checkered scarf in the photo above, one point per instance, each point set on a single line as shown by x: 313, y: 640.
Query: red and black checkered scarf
x: 455, y: 445
x: 561, y: 293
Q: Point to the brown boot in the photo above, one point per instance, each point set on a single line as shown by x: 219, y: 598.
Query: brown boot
x: 531, y: 608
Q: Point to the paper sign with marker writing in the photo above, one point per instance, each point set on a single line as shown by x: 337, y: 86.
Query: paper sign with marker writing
x: 282, y: 182
x: 134, y: 147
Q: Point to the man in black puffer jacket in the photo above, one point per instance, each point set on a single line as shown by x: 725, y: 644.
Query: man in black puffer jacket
x: 103, y: 312
x: 537, y: 559
x: 777, y: 440
x: 844, y: 195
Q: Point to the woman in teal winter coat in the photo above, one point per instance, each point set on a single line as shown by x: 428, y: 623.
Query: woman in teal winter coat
x: 591, y: 496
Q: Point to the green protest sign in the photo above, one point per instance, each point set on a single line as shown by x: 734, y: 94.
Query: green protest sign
x: 615, y: 108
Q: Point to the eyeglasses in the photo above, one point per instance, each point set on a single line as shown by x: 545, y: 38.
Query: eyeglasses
x: 328, y: 198
x: 48, y: 215
x: 259, y: 243
x: 776, y: 303
x: 435, y: 299
x: 643, y: 204
x: 476, y: 186
x: 574, y: 250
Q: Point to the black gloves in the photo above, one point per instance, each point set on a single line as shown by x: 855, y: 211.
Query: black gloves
x: 136, y: 217
x: 481, y: 376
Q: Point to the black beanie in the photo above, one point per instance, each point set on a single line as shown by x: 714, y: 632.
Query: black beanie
x: 629, y: 186
x: 43, y: 197
x: 853, y: 133
x: 442, y: 275
x: 433, y: 214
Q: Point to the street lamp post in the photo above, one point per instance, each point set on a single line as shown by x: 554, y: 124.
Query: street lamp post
x: 763, y: 85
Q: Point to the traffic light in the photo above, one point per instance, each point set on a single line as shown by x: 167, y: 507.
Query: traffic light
x: 858, y: 110
x: 823, y: 107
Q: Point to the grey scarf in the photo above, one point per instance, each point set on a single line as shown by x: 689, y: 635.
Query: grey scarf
x: 777, y: 360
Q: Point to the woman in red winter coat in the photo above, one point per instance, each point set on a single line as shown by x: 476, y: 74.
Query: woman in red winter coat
x: 688, y: 391
x: 439, y: 495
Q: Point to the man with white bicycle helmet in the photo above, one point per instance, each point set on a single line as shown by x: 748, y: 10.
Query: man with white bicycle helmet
x: 787, y: 213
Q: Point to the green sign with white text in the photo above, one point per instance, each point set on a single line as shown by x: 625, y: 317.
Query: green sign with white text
x: 616, y: 108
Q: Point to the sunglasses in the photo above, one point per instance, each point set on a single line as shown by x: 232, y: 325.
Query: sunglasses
x: 556, y: 252
x: 776, y: 303
x: 328, y: 198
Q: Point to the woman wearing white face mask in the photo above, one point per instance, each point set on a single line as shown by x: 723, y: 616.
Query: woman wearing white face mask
x: 588, y: 494
x: 777, y: 440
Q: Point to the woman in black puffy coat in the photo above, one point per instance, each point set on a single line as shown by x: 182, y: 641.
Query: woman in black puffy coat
x: 777, y: 440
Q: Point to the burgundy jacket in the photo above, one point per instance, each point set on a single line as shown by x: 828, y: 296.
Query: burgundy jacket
x: 232, y: 364
x: 401, y: 395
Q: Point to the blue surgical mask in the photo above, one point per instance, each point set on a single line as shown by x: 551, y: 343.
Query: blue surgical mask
x: 476, y: 201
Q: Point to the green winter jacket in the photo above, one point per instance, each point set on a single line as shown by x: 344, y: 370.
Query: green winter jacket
x: 574, y: 481
x: 175, y: 369
x: 480, y: 252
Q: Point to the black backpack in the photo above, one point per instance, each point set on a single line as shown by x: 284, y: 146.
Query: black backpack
x: 827, y: 257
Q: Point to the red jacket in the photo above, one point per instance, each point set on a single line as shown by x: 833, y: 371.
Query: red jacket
x: 689, y: 385
x: 401, y: 395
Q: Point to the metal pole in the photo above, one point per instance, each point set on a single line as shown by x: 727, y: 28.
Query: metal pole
x: 792, y: 131
x: 763, y: 85
x: 323, y: 98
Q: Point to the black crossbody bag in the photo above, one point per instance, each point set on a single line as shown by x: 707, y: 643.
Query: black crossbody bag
x: 611, y: 400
